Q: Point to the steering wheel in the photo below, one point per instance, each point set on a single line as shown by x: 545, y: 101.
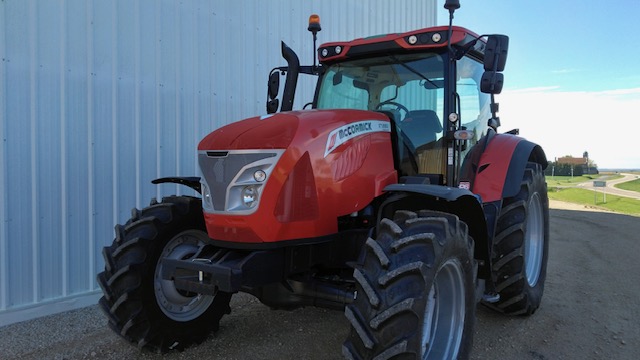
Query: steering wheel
x: 399, y: 107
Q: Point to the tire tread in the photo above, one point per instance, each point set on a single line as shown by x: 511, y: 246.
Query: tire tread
x: 414, y: 243
x: 127, y: 282
x: 509, y: 276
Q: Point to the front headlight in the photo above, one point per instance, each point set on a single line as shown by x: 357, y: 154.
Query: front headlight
x: 207, y: 201
x: 260, y: 176
x: 250, y: 196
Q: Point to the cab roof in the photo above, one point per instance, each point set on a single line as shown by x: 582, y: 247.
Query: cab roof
x: 413, y: 41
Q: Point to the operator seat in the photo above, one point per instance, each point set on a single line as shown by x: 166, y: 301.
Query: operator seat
x: 422, y: 127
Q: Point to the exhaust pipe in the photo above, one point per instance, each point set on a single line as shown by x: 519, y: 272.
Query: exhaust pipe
x: 292, y: 77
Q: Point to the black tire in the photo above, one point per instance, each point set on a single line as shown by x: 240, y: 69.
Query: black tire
x: 521, y: 246
x: 143, y: 308
x: 419, y: 270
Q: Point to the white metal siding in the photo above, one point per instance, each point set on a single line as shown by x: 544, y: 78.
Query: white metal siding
x: 97, y: 98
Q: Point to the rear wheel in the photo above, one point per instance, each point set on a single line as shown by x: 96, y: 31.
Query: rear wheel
x: 415, y: 290
x: 521, y: 246
x: 141, y: 306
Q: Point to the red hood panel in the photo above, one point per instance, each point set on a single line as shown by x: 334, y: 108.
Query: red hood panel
x: 266, y: 132
x: 277, y: 131
x: 335, y: 162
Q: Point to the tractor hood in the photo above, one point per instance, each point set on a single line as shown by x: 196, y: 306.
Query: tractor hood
x: 296, y: 171
x: 278, y: 131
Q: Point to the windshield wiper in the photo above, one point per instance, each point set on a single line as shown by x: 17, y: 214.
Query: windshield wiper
x: 413, y: 71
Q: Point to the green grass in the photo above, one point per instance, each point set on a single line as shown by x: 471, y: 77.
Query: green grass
x: 563, y: 181
x: 569, y: 180
x: 618, y: 204
x: 631, y: 185
x: 611, y: 177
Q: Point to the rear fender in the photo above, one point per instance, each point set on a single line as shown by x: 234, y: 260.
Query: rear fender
x: 460, y: 202
x: 494, y: 167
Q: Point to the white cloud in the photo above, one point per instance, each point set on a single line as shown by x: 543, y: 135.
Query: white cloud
x: 569, y: 123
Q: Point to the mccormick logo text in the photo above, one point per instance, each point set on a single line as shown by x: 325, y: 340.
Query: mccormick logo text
x: 347, y: 132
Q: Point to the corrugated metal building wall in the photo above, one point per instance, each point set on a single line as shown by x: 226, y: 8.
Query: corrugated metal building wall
x: 97, y: 98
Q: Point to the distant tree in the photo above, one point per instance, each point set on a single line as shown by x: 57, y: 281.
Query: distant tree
x: 578, y: 170
x: 592, y: 167
x: 563, y: 169
x: 567, y: 169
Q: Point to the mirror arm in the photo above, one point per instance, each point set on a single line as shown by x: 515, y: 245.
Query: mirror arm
x: 494, y: 122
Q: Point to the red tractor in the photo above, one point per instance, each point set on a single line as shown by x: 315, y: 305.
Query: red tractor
x: 393, y: 198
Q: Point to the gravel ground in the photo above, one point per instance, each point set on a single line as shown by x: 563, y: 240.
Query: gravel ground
x: 589, y: 311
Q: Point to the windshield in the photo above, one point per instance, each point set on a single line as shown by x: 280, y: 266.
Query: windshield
x: 410, y: 80
x: 409, y: 89
x: 406, y: 87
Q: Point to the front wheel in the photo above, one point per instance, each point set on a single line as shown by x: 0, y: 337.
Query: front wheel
x: 415, y: 290
x: 521, y: 246
x: 142, y: 307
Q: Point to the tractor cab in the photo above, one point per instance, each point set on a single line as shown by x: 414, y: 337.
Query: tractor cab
x: 431, y: 90
x: 411, y: 90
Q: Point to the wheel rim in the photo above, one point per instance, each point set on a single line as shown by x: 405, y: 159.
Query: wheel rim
x: 534, y: 240
x: 444, y: 314
x: 176, y: 304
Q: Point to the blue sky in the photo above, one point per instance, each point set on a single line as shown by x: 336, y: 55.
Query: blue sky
x: 572, y: 80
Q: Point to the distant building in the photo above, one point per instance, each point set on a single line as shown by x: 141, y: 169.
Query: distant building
x: 582, y: 162
x: 571, y: 160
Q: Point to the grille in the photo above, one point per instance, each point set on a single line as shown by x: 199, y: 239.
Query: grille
x: 226, y: 171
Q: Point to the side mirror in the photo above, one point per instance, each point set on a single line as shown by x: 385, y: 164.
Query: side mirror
x: 495, y: 58
x: 491, y: 82
x: 495, y: 53
x: 272, y: 106
x: 273, y: 86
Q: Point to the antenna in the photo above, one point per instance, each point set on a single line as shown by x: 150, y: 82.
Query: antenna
x: 452, y: 6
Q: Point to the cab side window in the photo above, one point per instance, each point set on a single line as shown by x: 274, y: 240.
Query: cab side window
x: 474, y: 105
